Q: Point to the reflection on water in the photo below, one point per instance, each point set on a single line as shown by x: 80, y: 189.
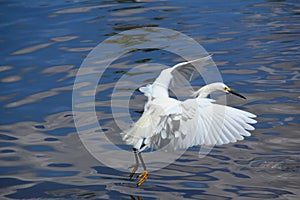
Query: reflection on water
x: 255, y: 45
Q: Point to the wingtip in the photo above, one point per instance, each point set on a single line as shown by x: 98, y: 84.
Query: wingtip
x: 191, y: 61
x: 252, y: 115
x: 202, y: 58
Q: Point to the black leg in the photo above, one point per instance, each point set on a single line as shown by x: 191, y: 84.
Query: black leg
x: 142, y: 161
x: 136, y: 165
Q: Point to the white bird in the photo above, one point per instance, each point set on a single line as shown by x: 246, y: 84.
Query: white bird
x: 206, y: 123
x: 195, y: 121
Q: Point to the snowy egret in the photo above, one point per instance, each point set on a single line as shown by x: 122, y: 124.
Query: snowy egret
x: 195, y: 121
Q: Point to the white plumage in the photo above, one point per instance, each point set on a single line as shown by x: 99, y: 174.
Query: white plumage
x: 182, y: 124
x: 213, y: 124
x: 195, y: 121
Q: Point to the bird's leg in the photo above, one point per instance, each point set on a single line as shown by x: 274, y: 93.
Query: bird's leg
x: 136, y: 165
x: 144, y: 175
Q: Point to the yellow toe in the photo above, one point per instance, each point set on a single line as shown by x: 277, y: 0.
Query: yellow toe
x: 143, y: 177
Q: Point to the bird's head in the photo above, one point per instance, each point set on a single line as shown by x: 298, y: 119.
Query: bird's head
x: 229, y: 90
x: 216, y: 87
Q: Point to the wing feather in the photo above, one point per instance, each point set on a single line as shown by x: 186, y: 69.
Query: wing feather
x: 185, y: 72
x: 213, y: 124
x: 153, y: 126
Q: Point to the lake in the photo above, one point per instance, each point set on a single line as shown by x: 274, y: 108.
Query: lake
x: 254, y: 44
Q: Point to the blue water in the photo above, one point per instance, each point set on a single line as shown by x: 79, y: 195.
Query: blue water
x: 255, y: 45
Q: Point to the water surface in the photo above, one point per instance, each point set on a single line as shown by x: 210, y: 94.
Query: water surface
x: 43, y: 43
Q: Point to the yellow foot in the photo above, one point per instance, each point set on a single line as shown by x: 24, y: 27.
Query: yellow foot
x: 143, y: 177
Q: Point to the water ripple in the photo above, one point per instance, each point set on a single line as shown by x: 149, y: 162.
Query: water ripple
x: 255, y: 45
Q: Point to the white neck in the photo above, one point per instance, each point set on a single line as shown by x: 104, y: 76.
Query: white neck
x: 206, y: 90
x: 203, y: 92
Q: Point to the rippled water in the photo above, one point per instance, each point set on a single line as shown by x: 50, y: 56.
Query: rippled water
x: 43, y: 43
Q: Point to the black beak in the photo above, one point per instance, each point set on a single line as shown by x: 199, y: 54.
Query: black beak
x: 237, y: 94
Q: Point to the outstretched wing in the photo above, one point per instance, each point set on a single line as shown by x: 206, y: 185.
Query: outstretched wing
x: 190, y: 69
x: 212, y: 124
x: 177, y: 79
x: 183, y: 73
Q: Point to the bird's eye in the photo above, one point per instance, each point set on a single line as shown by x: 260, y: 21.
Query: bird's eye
x: 226, y: 88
